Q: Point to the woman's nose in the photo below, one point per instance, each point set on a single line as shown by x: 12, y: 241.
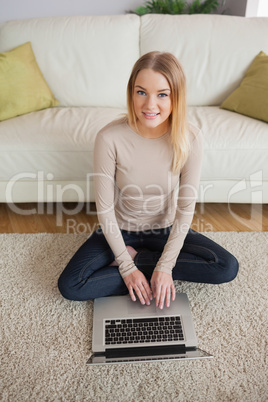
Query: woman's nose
x: 150, y: 101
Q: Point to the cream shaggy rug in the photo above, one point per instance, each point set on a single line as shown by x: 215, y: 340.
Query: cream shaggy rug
x: 46, y: 340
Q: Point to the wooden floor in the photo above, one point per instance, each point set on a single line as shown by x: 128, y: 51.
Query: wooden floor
x: 79, y: 218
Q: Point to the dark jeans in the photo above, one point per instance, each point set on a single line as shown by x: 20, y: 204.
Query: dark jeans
x: 88, y: 274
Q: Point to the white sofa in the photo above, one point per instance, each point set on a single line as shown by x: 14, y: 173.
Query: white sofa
x: 47, y: 155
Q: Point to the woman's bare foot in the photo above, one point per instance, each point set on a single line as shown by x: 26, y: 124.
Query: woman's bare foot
x: 132, y: 252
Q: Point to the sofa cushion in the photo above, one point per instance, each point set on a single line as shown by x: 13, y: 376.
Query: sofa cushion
x: 57, y: 142
x: 85, y: 59
x: 22, y: 85
x: 58, y: 145
x: 210, y: 48
x: 251, y: 97
x: 235, y: 146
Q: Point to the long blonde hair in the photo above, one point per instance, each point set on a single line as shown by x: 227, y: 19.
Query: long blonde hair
x: 168, y: 65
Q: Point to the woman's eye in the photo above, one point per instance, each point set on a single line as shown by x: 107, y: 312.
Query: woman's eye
x: 141, y: 93
x: 162, y: 95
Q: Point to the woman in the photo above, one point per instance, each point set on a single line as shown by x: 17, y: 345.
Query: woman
x: 147, y: 170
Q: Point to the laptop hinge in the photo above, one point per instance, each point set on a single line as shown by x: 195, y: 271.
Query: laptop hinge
x: 145, y: 351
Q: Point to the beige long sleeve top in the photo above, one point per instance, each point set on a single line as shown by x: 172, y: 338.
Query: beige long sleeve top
x: 136, y: 190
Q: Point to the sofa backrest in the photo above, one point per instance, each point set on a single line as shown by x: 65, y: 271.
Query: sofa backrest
x: 86, y: 60
x: 215, y: 50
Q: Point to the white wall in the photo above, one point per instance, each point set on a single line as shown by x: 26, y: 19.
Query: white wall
x: 263, y: 8
x: 235, y: 7
x: 257, y: 8
x: 22, y: 9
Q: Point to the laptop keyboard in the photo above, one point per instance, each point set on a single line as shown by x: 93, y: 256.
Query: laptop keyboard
x: 143, y: 330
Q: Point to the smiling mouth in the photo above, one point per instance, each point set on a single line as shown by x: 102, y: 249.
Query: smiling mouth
x: 150, y: 114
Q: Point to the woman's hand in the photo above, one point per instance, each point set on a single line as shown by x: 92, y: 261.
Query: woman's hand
x: 137, y: 282
x: 163, y: 288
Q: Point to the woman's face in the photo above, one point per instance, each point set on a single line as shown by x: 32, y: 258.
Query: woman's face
x: 152, y: 103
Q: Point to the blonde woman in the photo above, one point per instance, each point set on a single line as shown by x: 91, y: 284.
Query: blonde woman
x: 147, y: 170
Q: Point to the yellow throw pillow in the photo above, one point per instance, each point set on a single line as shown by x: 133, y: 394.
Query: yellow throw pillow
x: 23, y: 88
x: 251, y: 97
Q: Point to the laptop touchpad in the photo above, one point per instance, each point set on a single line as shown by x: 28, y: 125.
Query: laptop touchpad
x: 136, y: 308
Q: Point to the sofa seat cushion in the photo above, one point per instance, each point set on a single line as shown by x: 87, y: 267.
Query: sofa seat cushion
x: 236, y: 146
x: 56, y: 141
x: 61, y: 141
x: 58, y: 144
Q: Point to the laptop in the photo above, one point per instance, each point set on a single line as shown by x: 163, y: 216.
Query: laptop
x: 129, y: 332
